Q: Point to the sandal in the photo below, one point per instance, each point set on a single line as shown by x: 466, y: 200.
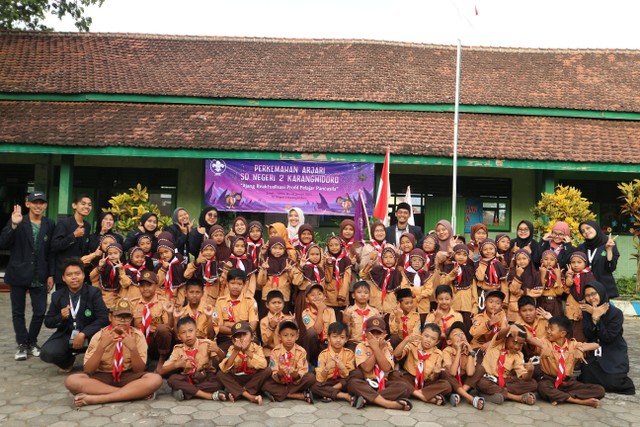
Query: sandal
x: 326, y: 400
x: 220, y: 395
x: 439, y: 400
x: 406, y: 404
x: 528, y: 398
x: 357, y: 402
x: 269, y: 396
x: 308, y: 397
x: 454, y: 399
x: 478, y: 402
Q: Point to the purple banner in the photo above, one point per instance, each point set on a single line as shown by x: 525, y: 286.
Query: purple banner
x: 276, y: 186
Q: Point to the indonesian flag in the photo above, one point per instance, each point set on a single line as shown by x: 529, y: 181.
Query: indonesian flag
x: 407, y: 199
x: 381, y: 211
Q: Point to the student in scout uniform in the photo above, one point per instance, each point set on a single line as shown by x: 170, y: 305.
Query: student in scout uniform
x: 356, y: 315
x: 277, y: 272
x: 578, y: 275
x: 316, y: 318
x: 559, y: 355
x: 109, y: 274
x: 490, y: 274
x: 196, y: 376
x: 335, y: 364
x: 198, y: 310
x: 488, y: 323
x: 338, y: 274
x: 206, y: 269
x: 505, y: 374
x: 552, y: 283
x: 71, y: 236
x: 420, y: 280
x: 384, y: 281
x: 405, y: 320
x: 77, y: 312
x: 153, y: 315
x: 114, y: 364
x: 244, y: 369
x: 423, y: 363
x: 459, y: 364
x: 171, y: 272
x: 232, y: 308
x: 533, y: 321
x: 290, y: 378
x: 370, y: 383
x: 30, y: 269
x: 444, y: 315
x: 523, y: 279
x: 269, y: 324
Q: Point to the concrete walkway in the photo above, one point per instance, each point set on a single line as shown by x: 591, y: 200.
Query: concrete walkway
x: 32, y: 394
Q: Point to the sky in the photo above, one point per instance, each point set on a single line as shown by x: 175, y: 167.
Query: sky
x: 498, y: 23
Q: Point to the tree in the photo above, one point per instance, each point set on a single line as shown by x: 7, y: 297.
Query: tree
x: 127, y: 208
x: 565, y: 204
x: 29, y: 14
x: 631, y: 206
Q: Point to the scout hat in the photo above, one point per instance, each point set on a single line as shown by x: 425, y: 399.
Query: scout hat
x: 149, y: 276
x: 312, y: 287
x: 375, y: 324
x: 122, y: 306
x: 240, y: 328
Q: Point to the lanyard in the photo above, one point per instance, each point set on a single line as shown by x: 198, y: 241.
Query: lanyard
x: 591, y: 255
x: 74, y: 312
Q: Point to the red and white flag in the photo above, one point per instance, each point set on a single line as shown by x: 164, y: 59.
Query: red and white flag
x: 381, y: 211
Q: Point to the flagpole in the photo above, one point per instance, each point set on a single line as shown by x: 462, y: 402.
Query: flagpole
x: 366, y: 214
x: 456, y: 113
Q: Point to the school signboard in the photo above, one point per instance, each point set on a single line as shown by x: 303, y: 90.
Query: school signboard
x: 318, y: 188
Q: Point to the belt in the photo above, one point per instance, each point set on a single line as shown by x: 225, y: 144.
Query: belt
x: 491, y: 378
x: 551, y: 298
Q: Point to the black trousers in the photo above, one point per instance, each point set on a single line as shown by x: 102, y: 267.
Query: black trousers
x: 58, y: 352
x: 38, y: 306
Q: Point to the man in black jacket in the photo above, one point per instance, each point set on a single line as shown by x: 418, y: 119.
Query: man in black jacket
x: 394, y: 232
x: 71, y: 236
x: 77, y: 311
x: 30, y: 269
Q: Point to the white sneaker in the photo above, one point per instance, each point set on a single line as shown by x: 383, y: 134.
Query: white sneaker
x: 21, y: 353
x: 34, y: 350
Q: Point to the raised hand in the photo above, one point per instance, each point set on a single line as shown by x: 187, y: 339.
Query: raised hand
x: 168, y: 307
x: 16, y: 216
x: 611, y: 242
x: 65, y: 312
x: 79, y: 232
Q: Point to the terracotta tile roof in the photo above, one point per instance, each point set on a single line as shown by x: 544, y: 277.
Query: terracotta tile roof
x: 602, y: 80
x: 482, y: 136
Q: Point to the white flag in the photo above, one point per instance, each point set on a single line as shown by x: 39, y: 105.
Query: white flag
x: 407, y: 199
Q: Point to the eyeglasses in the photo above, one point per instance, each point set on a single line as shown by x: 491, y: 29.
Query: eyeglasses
x: 590, y: 294
x: 523, y: 229
x: 554, y: 234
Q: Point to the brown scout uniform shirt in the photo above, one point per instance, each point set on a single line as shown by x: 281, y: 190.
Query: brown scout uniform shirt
x: 106, y: 363
x: 326, y: 359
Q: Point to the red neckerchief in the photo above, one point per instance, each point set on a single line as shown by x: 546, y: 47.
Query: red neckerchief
x: 336, y: 268
x: 316, y: 271
x: 118, y: 358
x: 315, y: 313
x: 230, y: 316
x: 135, y: 271
x: 388, y: 270
x: 239, y: 259
x: 405, y: 326
x: 286, y: 358
x: 427, y: 265
x: 346, y: 245
x: 146, y: 320
x: 191, y: 356
x: 551, y: 278
x: 364, y: 314
x: 168, y: 279
x: 532, y: 330
x: 379, y: 377
x: 577, y: 280
x: 407, y: 260
x: 501, y: 360
x: 304, y: 247
x: 379, y: 247
x: 112, y: 276
x: 419, y: 380
x: 243, y: 366
x: 254, y: 249
x: 459, y: 275
x: 493, y: 274
x: 443, y: 344
x: 562, y: 374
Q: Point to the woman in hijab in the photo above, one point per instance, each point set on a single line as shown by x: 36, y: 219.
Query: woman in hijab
x: 602, y: 324
x: 294, y: 221
x: 559, y: 241
x: 104, y: 227
x: 525, y: 241
x: 602, y: 255
x: 180, y: 229
x: 148, y: 225
x: 207, y: 219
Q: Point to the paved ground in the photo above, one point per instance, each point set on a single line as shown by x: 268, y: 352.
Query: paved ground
x: 32, y: 393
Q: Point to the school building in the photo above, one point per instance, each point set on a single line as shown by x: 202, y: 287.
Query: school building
x: 98, y: 113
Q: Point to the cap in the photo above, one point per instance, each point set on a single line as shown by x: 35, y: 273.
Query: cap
x: 37, y: 195
x: 498, y: 294
x: 458, y: 325
x: 403, y: 293
x: 122, y: 306
x: 375, y: 324
x: 149, y: 277
x: 312, y: 287
x: 240, y: 328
